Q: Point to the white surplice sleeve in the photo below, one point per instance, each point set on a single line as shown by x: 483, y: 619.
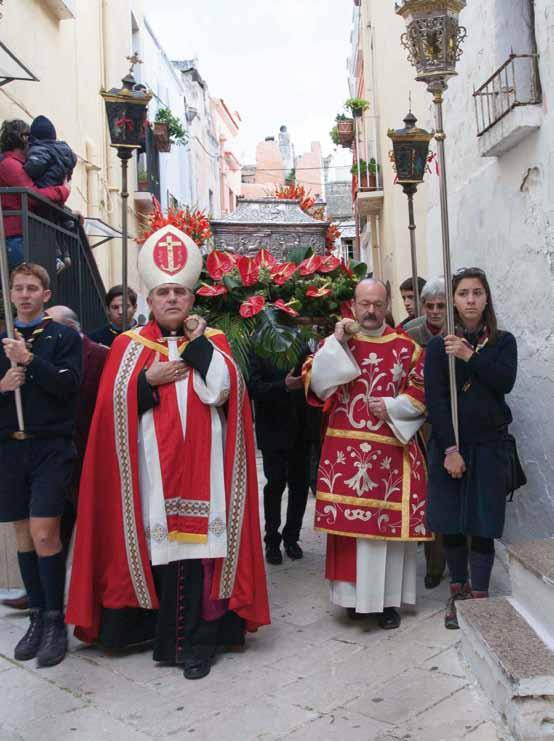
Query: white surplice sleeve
x: 405, y: 419
x: 333, y: 366
x: 215, y: 390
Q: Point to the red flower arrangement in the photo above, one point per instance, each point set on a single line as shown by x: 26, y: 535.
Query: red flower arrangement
x: 192, y: 222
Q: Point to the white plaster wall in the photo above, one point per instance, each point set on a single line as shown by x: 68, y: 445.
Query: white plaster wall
x: 502, y: 219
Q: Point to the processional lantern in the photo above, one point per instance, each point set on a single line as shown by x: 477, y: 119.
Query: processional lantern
x: 410, y: 155
x: 126, y: 110
x: 433, y: 39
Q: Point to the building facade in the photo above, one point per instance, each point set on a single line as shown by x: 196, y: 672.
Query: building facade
x: 380, y: 73
x: 500, y: 154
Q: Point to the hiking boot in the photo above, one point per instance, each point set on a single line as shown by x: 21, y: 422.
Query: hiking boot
x: 28, y: 646
x: 457, y: 592
x: 54, y: 641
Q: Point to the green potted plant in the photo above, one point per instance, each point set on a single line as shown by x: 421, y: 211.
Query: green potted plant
x: 334, y: 134
x: 168, y: 130
x: 366, y: 173
x: 344, y: 131
x: 142, y: 178
x: 356, y: 106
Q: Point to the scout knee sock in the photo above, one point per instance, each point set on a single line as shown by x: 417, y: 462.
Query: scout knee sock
x: 481, y: 560
x: 28, y: 566
x: 52, y: 577
x: 455, y: 551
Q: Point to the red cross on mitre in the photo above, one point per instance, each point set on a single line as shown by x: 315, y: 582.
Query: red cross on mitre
x: 170, y: 254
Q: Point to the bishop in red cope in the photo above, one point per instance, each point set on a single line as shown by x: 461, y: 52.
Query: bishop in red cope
x: 168, y: 538
x: 371, y: 490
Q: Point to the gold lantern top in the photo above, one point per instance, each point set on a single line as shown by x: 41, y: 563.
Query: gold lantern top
x: 433, y: 38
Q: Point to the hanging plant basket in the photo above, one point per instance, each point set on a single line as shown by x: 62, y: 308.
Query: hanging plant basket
x: 346, y: 132
x: 161, y: 137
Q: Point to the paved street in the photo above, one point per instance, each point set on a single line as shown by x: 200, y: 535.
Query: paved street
x: 312, y: 675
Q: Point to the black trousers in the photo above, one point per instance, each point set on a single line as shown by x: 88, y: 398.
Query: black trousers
x: 282, y: 468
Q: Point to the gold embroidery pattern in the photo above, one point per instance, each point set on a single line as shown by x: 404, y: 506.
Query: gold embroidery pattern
x: 235, y: 516
x: 358, y: 501
x: 187, y: 507
x: 361, y: 435
x: 121, y: 426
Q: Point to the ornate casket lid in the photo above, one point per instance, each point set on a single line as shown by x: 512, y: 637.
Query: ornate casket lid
x: 271, y: 211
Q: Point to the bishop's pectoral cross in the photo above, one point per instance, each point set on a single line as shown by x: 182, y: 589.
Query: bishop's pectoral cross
x: 170, y: 243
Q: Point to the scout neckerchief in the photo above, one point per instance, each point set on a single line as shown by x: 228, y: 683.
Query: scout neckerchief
x: 37, y: 331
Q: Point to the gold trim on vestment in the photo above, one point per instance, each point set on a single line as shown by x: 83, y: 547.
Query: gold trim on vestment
x: 361, y: 435
x: 380, y: 339
x: 177, y: 537
x: 406, y: 480
x: 401, y: 539
x: 358, y: 501
x: 163, y: 349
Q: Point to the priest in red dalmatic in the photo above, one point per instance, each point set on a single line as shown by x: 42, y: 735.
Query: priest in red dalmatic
x: 371, y: 489
x: 168, y: 537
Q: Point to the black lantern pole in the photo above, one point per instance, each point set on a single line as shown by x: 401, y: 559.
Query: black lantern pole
x: 126, y: 109
x: 410, y: 153
x: 433, y: 40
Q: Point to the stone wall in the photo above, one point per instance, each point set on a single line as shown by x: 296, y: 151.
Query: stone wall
x: 502, y: 219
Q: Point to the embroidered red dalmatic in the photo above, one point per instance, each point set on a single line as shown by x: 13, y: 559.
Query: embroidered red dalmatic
x: 370, y: 484
x: 110, y: 565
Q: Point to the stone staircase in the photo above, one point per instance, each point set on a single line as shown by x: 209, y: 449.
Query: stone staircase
x: 509, y: 643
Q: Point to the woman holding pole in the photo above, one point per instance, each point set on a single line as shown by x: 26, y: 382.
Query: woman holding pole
x: 469, y: 481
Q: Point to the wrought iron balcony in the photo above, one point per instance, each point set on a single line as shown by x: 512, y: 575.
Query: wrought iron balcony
x: 516, y: 83
x: 50, y: 232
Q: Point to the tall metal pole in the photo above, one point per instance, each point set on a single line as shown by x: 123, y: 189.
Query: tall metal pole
x: 410, y: 190
x: 124, y: 155
x: 437, y: 89
x: 10, y: 330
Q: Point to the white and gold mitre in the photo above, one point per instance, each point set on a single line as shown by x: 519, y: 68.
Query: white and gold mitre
x: 169, y: 256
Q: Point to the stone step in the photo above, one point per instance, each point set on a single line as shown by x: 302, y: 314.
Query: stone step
x: 532, y: 573
x: 512, y: 664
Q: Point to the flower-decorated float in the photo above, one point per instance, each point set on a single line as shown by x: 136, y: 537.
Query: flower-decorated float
x: 263, y: 305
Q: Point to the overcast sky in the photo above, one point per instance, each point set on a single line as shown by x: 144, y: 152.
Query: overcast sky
x: 276, y: 63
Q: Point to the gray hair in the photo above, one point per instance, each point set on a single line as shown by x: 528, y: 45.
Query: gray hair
x: 433, y: 289
x: 65, y: 315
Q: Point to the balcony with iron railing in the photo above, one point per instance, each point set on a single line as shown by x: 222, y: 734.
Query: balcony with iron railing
x: 508, y: 105
x: 49, y: 233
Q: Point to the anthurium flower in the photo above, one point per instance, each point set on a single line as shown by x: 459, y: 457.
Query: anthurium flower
x: 249, y: 271
x: 328, y: 264
x: 345, y: 267
x: 315, y: 292
x: 287, y: 308
x: 218, y: 264
x: 207, y: 290
x: 346, y: 310
x: 310, y: 265
x: 264, y: 259
x: 251, y: 306
x: 281, y: 273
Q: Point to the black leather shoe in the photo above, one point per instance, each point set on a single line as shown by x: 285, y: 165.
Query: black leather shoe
x: 294, y: 551
x: 28, y: 646
x: 389, y: 619
x: 432, y: 581
x: 273, y: 554
x: 353, y: 615
x: 54, y: 640
x: 197, y: 668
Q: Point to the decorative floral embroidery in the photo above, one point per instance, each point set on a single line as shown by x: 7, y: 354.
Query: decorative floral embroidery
x: 327, y: 473
x: 361, y: 481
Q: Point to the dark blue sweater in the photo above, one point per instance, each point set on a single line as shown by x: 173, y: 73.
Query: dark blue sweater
x: 482, y: 384
x: 51, y: 388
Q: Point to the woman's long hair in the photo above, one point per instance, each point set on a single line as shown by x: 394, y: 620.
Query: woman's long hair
x: 489, y: 314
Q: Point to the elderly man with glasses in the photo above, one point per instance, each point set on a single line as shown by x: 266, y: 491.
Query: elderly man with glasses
x: 431, y: 324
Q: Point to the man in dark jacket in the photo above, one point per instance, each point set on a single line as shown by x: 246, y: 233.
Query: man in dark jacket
x: 283, y: 436
x: 49, y: 161
x: 36, y: 464
x: 114, y: 303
